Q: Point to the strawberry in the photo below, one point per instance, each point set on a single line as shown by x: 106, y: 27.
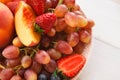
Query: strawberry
x: 46, y: 21
x: 12, y: 6
x: 71, y: 65
x: 37, y: 5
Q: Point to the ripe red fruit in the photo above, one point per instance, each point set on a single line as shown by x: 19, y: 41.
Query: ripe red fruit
x: 71, y: 65
x: 64, y: 47
x: 48, y: 4
x: 69, y: 3
x: 71, y: 19
x: 61, y: 10
x: 46, y: 21
x: 12, y: 6
x: 30, y: 75
x: 37, y: 5
x: 11, y: 52
x: 85, y: 36
x: 90, y: 24
x: 16, y: 77
x: 42, y: 57
x: 6, y: 74
x: 54, y: 3
x: 26, y: 61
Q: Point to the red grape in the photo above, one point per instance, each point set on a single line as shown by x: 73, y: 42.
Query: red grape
x: 79, y: 48
x: 69, y: 29
x: 80, y: 13
x: 90, y: 24
x: 0, y: 69
x: 61, y: 10
x: 81, y: 21
x: 26, y: 61
x: 11, y: 52
x: 54, y: 54
x: 71, y: 19
x: 61, y: 25
x: 21, y: 72
x: 13, y: 62
x: 45, y: 41
x: 16, y: 42
x: 52, y: 32
x: 51, y: 66
x: 36, y: 66
x: 54, y: 3
x: 85, y: 36
x: 48, y: 4
x: 76, y: 7
x: 64, y: 47
x: 59, y: 36
x: 30, y: 75
x: 42, y: 57
x: 6, y: 74
x: 89, y: 30
x: 69, y: 3
x: 73, y: 39
x: 16, y: 77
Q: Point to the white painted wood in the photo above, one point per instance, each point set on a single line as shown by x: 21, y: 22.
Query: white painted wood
x: 106, y: 15
x: 103, y: 64
x: 104, y: 61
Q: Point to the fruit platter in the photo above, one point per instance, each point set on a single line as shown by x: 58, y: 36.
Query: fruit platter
x: 43, y: 39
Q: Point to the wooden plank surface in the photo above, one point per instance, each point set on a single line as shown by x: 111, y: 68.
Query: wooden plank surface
x: 106, y: 14
x: 104, y: 61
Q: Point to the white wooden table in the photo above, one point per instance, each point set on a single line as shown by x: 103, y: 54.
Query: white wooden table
x: 104, y: 61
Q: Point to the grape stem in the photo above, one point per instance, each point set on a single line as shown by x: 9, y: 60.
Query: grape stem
x: 23, y: 49
x: 1, y: 66
x: 51, y: 10
x: 17, y: 68
x: 60, y: 2
x: 32, y: 54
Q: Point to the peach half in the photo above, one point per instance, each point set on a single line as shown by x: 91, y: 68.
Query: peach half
x: 24, y: 20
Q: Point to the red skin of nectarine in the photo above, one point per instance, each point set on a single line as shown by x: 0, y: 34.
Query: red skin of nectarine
x: 6, y: 25
x: 5, y: 1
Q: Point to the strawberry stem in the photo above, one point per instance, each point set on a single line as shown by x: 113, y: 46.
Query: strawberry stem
x: 55, y: 73
x: 38, y: 29
x: 59, y: 73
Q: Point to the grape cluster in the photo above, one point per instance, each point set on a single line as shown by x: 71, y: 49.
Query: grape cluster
x: 70, y: 34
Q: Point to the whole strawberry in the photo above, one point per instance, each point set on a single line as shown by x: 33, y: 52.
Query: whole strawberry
x: 37, y: 5
x: 46, y: 21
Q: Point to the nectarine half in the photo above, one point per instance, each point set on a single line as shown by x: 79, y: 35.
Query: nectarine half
x: 24, y: 20
x: 6, y: 25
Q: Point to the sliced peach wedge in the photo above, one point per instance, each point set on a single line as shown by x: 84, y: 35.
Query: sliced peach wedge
x: 24, y: 20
